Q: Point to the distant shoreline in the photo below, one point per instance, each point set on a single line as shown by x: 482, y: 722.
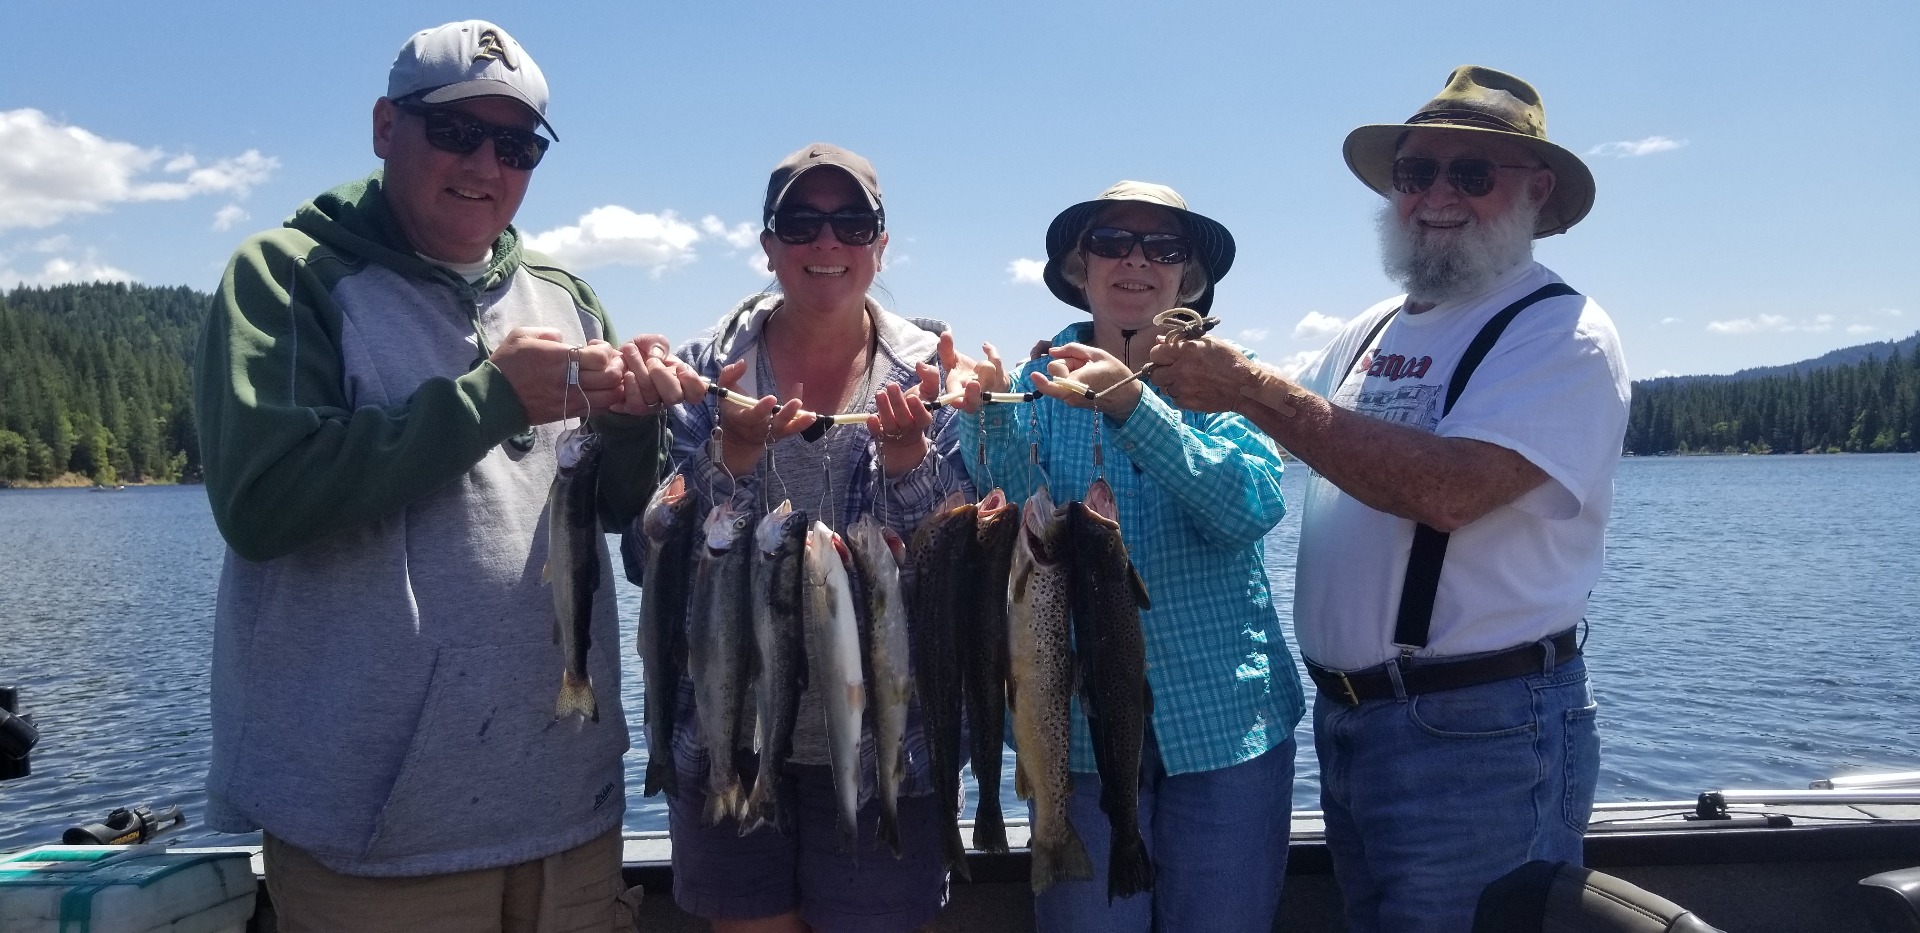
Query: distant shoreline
x: 77, y: 481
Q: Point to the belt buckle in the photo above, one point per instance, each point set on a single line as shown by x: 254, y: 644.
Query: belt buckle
x: 1346, y: 686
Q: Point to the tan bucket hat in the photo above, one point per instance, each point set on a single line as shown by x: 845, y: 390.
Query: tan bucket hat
x: 1482, y: 100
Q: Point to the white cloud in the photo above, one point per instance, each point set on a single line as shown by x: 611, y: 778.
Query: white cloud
x: 1025, y: 270
x: 1290, y: 366
x: 1893, y: 312
x: 1671, y: 320
x: 614, y: 235
x: 50, y: 171
x: 61, y: 270
x: 738, y: 236
x: 758, y: 263
x: 1773, y: 324
x: 1639, y: 147
x: 1861, y: 328
x: 1317, y: 326
x: 226, y: 217
x: 1252, y: 335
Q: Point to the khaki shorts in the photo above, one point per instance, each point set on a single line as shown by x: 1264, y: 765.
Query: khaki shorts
x: 577, y: 891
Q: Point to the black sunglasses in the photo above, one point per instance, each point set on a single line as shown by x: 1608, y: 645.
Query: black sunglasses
x: 1115, y: 243
x: 460, y: 134
x: 852, y: 227
x: 1471, y: 177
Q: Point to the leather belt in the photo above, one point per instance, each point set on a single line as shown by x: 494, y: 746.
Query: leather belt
x: 1357, y: 687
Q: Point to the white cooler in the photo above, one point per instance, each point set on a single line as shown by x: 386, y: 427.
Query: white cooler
x: 125, y: 889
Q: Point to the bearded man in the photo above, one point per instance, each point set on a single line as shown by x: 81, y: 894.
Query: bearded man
x: 1462, y: 440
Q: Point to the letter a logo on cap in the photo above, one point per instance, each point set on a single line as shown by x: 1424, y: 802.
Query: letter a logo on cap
x: 492, y: 47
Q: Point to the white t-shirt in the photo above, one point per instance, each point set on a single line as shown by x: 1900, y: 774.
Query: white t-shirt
x: 1554, y: 389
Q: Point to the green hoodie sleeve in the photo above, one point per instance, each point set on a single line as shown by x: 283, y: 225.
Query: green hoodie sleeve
x: 288, y: 460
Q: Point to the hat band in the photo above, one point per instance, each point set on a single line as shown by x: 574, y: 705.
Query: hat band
x: 1465, y: 118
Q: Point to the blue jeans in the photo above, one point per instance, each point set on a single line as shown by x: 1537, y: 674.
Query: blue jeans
x: 1218, y: 840
x: 1431, y: 797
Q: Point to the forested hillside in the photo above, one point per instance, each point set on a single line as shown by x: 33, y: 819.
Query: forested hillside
x: 93, y: 381
x: 1867, y: 407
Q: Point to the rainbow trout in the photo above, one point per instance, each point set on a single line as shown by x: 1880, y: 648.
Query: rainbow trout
x: 720, y: 649
x: 670, y: 527
x: 829, y: 613
x: 996, y: 526
x: 942, y: 557
x: 1107, y: 596
x: 877, y: 552
x: 573, y: 568
x: 779, y: 573
x: 1040, y: 690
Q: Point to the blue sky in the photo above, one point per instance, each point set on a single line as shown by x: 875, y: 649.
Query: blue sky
x: 1754, y: 202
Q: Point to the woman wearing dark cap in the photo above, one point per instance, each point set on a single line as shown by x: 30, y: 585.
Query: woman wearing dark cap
x: 818, y: 344
x: 1195, y: 494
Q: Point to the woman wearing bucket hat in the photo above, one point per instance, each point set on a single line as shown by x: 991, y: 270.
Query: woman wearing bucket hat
x: 817, y: 343
x: 1195, y: 494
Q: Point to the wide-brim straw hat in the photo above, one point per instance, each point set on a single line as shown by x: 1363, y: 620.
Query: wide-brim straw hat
x: 1482, y: 100
x: 1212, y: 244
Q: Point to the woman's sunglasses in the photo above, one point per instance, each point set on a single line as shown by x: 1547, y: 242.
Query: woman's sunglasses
x: 1471, y: 177
x: 460, y: 134
x: 1115, y: 243
x: 854, y: 228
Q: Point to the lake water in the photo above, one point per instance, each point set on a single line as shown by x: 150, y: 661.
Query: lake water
x: 1755, y: 627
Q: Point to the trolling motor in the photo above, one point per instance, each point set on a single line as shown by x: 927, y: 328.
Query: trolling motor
x: 17, y: 736
x: 125, y: 827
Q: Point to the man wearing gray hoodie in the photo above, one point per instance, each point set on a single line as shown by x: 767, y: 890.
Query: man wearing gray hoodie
x: 383, y: 390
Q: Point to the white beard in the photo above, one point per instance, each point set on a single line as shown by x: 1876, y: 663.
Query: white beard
x: 1437, y: 266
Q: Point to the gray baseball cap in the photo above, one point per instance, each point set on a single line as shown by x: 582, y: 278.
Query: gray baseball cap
x: 807, y: 158
x: 464, y: 60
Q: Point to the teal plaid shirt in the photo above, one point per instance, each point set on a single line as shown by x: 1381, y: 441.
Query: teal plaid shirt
x: 1197, y: 493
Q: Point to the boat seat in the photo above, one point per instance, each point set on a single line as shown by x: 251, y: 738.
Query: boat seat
x: 1555, y: 897
x: 1892, y: 901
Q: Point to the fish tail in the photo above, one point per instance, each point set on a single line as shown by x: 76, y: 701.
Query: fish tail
x: 889, y: 832
x: 957, y: 853
x: 1066, y: 858
x: 659, y: 776
x: 989, y: 827
x: 722, y: 804
x: 576, y: 696
x: 1129, y: 870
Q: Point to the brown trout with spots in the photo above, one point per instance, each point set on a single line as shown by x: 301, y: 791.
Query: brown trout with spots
x: 996, y: 526
x: 1107, y: 595
x: 941, y: 601
x: 1040, y: 690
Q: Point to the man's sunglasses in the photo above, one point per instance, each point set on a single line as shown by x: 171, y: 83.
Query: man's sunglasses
x: 854, y: 228
x: 1471, y: 177
x: 460, y: 134
x: 1115, y: 243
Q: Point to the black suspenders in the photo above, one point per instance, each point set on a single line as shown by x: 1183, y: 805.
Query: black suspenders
x: 1429, y: 544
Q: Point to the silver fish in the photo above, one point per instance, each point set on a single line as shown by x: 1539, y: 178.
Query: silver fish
x: 719, y: 650
x: 1040, y: 690
x: 573, y: 569
x: 780, y: 543
x: 878, y: 553
x: 669, y: 525
x: 836, y: 637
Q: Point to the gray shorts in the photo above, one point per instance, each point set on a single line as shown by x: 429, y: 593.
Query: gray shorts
x: 720, y: 875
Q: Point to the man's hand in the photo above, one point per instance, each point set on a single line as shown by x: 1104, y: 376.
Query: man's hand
x: 1097, y: 370
x: 655, y: 378
x: 1205, y: 374
x: 535, y: 361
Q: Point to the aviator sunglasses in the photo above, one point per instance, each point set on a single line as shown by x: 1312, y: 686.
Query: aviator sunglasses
x: 852, y: 227
x: 460, y: 134
x: 1115, y: 243
x: 1471, y: 177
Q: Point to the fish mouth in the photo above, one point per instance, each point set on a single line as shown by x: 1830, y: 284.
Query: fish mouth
x: 995, y: 503
x: 1100, y: 502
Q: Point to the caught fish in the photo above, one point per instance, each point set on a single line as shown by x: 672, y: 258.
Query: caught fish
x: 878, y: 552
x: 943, y: 550
x: 779, y: 574
x: 1040, y: 690
x: 830, y: 622
x: 719, y: 650
x: 996, y: 526
x: 1107, y: 596
x: 573, y: 568
x: 670, y: 526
